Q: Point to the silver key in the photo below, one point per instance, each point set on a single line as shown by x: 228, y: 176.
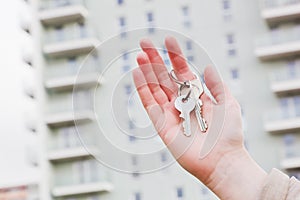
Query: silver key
x: 197, y: 91
x: 185, y: 107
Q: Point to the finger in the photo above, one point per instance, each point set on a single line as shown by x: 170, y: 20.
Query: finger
x: 215, y: 84
x: 153, y: 84
x: 179, y: 63
x: 143, y: 89
x: 159, y: 68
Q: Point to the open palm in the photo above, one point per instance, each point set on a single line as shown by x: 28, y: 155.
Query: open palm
x: 158, y: 93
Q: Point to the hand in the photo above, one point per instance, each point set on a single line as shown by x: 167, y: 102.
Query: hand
x: 158, y: 93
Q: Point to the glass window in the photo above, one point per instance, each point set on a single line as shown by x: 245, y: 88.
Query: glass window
x: 292, y: 69
x: 231, y: 52
x: 122, y: 22
x: 131, y: 125
x: 163, y: 157
x: 125, y: 56
x: 190, y: 58
x: 82, y: 30
x: 234, y: 74
x: 132, y: 138
x: 151, y: 29
x: 189, y: 45
x: 185, y: 10
x: 284, y: 105
x: 72, y: 64
x: 226, y: 4
x: 149, y: 16
x: 126, y: 68
x: 230, y: 38
x: 297, y: 105
x: 128, y: 89
x: 179, y: 192
x: 137, y: 196
x: 59, y: 33
x: 135, y: 174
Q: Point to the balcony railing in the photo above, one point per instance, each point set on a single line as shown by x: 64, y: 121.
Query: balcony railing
x: 282, y: 122
x: 70, y: 42
x: 267, y: 4
x: 71, y: 153
x: 276, y: 11
x: 81, y: 177
x: 62, y: 11
x: 286, y: 82
x: 279, y: 44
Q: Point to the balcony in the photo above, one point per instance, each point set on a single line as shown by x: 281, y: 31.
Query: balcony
x: 69, y: 118
x: 80, y: 189
x: 290, y: 163
x: 71, y: 48
x: 64, y: 11
x: 275, y: 11
x: 286, y: 82
x: 278, y: 122
x: 279, y: 45
x: 69, y: 82
x: 72, y: 153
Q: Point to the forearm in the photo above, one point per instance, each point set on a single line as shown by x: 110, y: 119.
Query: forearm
x: 237, y: 176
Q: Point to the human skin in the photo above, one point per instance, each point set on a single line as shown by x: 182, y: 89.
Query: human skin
x: 228, y: 169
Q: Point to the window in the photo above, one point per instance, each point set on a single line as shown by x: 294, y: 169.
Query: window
x: 179, y: 192
x: 284, y: 105
x: 126, y: 68
x: 234, y: 74
x: 128, y: 89
x: 292, y: 69
x: 66, y: 137
x: 122, y: 22
x: 231, y: 52
x: 230, y: 38
x: 72, y: 64
x: 137, y: 196
x: 82, y: 30
x: 132, y: 138
x: 151, y: 29
x: 190, y: 58
x: 125, y: 56
x: 120, y: 2
x: 226, y: 4
x: 297, y: 105
x: 59, y: 33
x: 185, y: 10
x: 189, y: 45
x: 163, y: 157
x: 150, y: 17
x: 131, y: 125
x: 135, y: 174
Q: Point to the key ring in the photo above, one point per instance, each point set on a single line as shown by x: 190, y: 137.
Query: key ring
x: 181, y: 83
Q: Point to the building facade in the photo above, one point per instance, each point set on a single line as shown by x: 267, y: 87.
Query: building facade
x: 73, y: 99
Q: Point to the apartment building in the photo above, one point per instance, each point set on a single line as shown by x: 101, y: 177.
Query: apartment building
x: 77, y: 77
x: 279, y: 49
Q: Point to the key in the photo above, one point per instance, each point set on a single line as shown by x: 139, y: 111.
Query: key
x: 197, y: 91
x: 185, y: 107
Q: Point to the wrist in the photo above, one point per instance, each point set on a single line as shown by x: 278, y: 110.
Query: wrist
x: 237, y: 176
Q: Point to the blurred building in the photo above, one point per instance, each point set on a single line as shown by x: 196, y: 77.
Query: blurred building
x: 66, y: 31
x: 279, y: 50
